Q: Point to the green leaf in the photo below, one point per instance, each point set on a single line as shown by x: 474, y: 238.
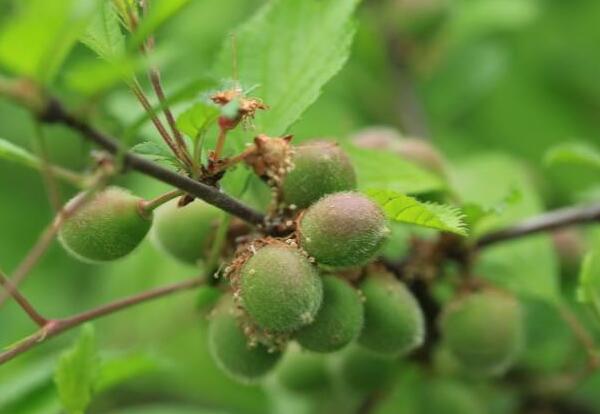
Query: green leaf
x: 588, y: 291
x: 36, y: 41
x: 11, y: 152
x: 381, y: 169
x: 195, y: 120
x: 405, y: 209
x: 291, y: 48
x: 579, y: 153
x: 157, y: 151
x: 526, y: 266
x: 104, y: 35
x: 77, y: 371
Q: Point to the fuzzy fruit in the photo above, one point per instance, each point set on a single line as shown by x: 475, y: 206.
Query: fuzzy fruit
x: 280, y: 289
x: 483, y: 331
x: 230, y: 348
x: 107, y: 227
x: 185, y: 232
x: 339, y: 320
x: 303, y: 372
x: 394, y: 322
x: 365, y: 371
x: 320, y: 168
x: 343, y: 229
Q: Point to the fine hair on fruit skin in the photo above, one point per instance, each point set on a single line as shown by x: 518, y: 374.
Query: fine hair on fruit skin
x: 483, y: 331
x: 232, y: 350
x: 185, y: 232
x: 109, y: 226
x: 394, y: 322
x: 339, y: 320
x: 320, y: 168
x: 279, y: 288
x: 343, y: 229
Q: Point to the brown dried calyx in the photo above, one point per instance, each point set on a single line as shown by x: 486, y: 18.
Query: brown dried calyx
x: 271, y: 158
x: 246, y: 110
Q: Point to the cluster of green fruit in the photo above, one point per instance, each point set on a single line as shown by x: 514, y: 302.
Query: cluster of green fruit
x: 297, y: 288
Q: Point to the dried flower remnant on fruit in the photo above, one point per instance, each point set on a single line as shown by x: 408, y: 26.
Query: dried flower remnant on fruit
x: 272, y: 158
x: 246, y: 106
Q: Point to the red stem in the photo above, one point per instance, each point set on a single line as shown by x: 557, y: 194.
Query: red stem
x: 55, y: 327
x: 24, y: 303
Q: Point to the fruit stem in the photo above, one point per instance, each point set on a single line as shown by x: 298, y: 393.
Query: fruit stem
x: 218, y: 242
x: 147, y: 206
x: 220, y: 144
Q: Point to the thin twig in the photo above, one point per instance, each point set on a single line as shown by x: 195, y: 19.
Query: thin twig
x: 55, y: 327
x: 46, y: 238
x: 543, y: 222
x: 56, y: 113
x: 29, y: 309
x: 139, y: 94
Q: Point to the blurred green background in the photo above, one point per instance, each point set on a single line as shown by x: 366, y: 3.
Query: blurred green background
x: 494, y: 83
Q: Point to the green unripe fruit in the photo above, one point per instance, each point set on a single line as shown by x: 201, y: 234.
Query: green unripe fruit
x: 343, y: 229
x: 366, y: 371
x: 303, y: 372
x: 394, y: 322
x: 107, y: 227
x: 320, y: 168
x: 450, y: 398
x: 280, y: 289
x: 185, y: 232
x: 483, y: 331
x: 339, y: 320
x: 230, y: 348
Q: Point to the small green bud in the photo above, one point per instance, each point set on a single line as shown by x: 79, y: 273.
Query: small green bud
x: 343, y: 229
x: 320, y: 168
x: 365, y: 371
x: 230, y: 348
x: 484, y: 331
x: 339, y: 320
x: 107, y: 227
x: 280, y: 289
x: 394, y: 322
x: 185, y: 232
x: 303, y: 372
